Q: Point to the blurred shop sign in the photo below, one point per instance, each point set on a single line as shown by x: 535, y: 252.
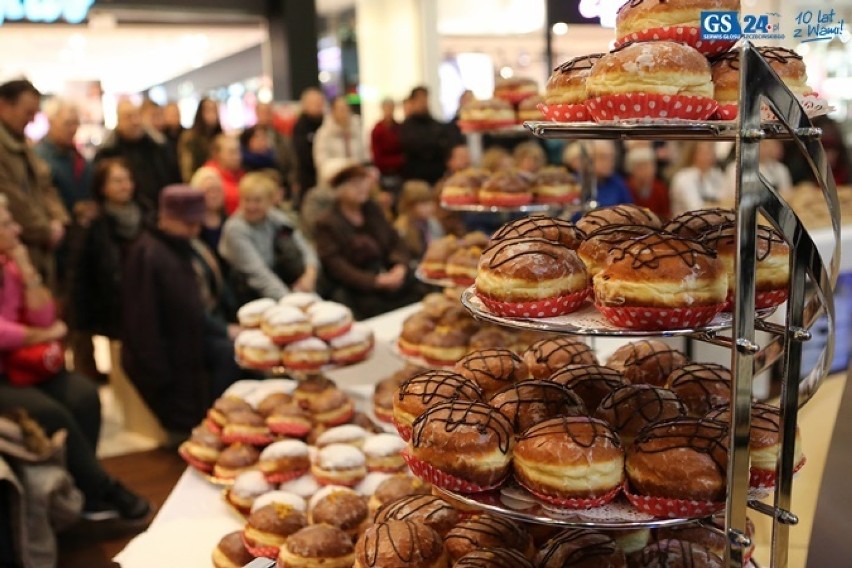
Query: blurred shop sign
x: 45, y: 11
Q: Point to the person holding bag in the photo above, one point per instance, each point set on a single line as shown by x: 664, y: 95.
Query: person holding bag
x: 33, y: 378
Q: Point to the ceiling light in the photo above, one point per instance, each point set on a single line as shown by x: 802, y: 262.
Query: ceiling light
x: 560, y: 28
x: 324, y: 76
x: 506, y: 72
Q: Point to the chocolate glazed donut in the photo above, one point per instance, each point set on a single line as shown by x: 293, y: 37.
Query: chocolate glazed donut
x: 693, y: 224
x: 493, y: 558
x: 702, y: 387
x: 487, y: 531
x: 581, y: 549
x: 672, y: 552
x: 528, y: 403
x: 426, y: 509
x: 541, y: 227
x: 633, y: 407
x: 397, y: 544
x: 592, y: 383
x: 648, y: 361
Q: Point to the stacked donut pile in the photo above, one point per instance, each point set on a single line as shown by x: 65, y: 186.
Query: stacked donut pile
x: 515, y: 101
x: 576, y: 434
x: 640, y: 273
x: 660, y: 69
x: 453, y: 258
x: 300, y: 332
x: 442, y: 332
x: 510, y: 188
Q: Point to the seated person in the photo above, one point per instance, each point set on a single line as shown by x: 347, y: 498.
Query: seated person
x: 612, y: 189
x: 56, y: 400
x: 417, y: 223
x: 268, y: 255
x: 361, y: 253
x: 646, y: 188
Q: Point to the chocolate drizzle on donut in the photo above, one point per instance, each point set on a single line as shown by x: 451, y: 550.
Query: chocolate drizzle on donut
x: 495, y: 364
x: 383, y: 536
x: 576, y: 546
x: 615, y: 234
x: 581, y: 63
x: 583, y: 431
x: 648, y: 251
x: 589, y: 382
x: 671, y: 552
x: 485, y: 530
x: 771, y: 54
x: 430, y: 386
x: 544, y: 351
x: 539, y: 226
x: 421, y: 508
x: 693, y: 224
x: 725, y: 236
x: 703, y: 436
x: 647, y: 361
x: 460, y: 414
x: 639, y: 405
x: 765, y: 418
x: 702, y: 386
x: 509, y: 250
x: 493, y: 558
x: 618, y: 215
x: 528, y: 402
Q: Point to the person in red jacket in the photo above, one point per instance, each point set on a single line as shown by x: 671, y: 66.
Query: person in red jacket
x: 386, y: 149
x: 226, y: 159
x: 647, y: 189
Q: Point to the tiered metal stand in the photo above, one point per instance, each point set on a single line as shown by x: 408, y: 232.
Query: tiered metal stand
x: 810, y: 289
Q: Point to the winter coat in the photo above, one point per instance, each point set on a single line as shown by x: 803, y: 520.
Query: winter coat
x: 425, y: 144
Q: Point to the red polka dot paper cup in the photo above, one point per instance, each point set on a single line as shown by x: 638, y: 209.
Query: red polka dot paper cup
x: 565, y: 112
x: 727, y: 111
x: 689, y: 35
x: 664, y: 508
x: 260, y: 551
x: 651, y: 106
x: 403, y: 430
x: 194, y: 462
x: 660, y: 319
x: 547, y: 308
x: 765, y: 479
x: 435, y: 476
x: 573, y: 503
x: 506, y: 199
x: 284, y: 476
x: 762, y: 299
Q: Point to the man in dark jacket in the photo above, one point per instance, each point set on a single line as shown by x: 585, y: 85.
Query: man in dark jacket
x: 309, y: 121
x: 164, y: 321
x: 425, y: 141
x: 152, y: 167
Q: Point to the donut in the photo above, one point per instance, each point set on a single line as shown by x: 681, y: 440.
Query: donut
x: 617, y: 215
x: 317, y: 545
x: 574, y: 461
x: 284, y: 460
x: 474, y: 239
x: 246, y: 426
x: 353, y: 346
x: 547, y: 356
x: 693, y: 224
x: 248, y: 486
x: 701, y: 386
x: 489, y: 337
x: 487, y: 531
x: 272, y: 401
x: 554, y: 184
x: 660, y: 282
x: 591, y: 383
x: 595, y: 248
x: 332, y: 408
x: 339, y: 464
x: 515, y: 89
x: 217, y: 415
x: 281, y: 498
x: 527, y: 403
x: 427, y: 389
x: 305, y: 486
x: 680, y: 459
x: 400, y: 544
x: 462, y: 188
x: 444, y: 346
x: 251, y: 314
x: 427, y: 510
x: 234, y: 460
x: 506, y: 188
x: 300, y: 300
x: 396, y: 487
x: 461, y: 445
x: 311, y: 388
x: 384, y: 392
x: 492, y: 369
x: 772, y: 271
x: 529, y: 109
x: 285, y: 324
x: 202, y: 449
x: 493, y: 558
x: 330, y: 319
x: 254, y: 349
x: 339, y: 507
x: 289, y: 419
x: 669, y: 553
x: 458, y: 318
x: 565, y: 93
x: 267, y: 528
x: 647, y: 361
x: 346, y: 434
x: 384, y: 453
x: 309, y: 354
x: 486, y: 114
x: 531, y: 277
x: 725, y: 68
x: 713, y: 540
x: 650, y: 20
x: 581, y: 548
x: 631, y: 408
x: 462, y: 265
x: 230, y: 552
x: 434, y: 261
x: 553, y: 229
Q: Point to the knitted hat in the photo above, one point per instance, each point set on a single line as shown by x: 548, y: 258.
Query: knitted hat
x: 182, y: 202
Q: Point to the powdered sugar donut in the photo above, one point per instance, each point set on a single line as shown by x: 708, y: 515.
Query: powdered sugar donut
x: 251, y: 314
x: 350, y: 434
x: 306, y: 355
x: 372, y: 482
x: 247, y: 487
x: 330, y: 319
x: 339, y: 464
x: 284, y: 460
x: 285, y: 324
x: 281, y: 498
x: 304, y: 486
x: 384, y: 453
x: 352, y: 346
x: 254, y: 349
x: 301, y: 300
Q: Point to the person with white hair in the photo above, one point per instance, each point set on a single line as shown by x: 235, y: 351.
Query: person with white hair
x: 209, y: 181
x: 647, y: 189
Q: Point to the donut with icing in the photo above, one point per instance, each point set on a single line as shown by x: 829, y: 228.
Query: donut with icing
x: 353, y: 346
x: 400, y: 544
x: 332, y: 408
x: 617, y: 215
x: 202, y: 449
x: 427, y: 510
x: 246, y: 426
x: 539, y: 226
x: 529, y: 402
x: 248, y: 486
x: 693, y: 224
x: 670, y: 552
x: 444, y: 346
x: 492, y: 369
x: 565, y: 93
x: 289, y: 419
x: 595, y: 248
x: 427, y: 389
x: 394, y: 488
x: 493, y: 558
x: 282, y: 498
x: 591, y: 383
x: 268, y: 527
x: 488, y: 531
x: 300, y: 300
x: 384, y: 453
x: 309, y: 354
x: 414, y: 328
x: 462, y: 188
x: 581, y: 548
x: 339, y: 464
x: 251, y: 314
x: 284, y: 460
x: 462, y: 265
x: 701, y: 386
x: 285, y: 324
x: 632, y: 408
x: 330, y: 319
x: 317, y: 545
x: 272, y: 401
x: 486, y: 114
x: 506, y: 188
x: 647, y: 361
x: 256, y: 350
x: 347, y: 434
x: 339, y: 507
x: 555, y: 184
x: 230, y: 552
x: 547, y: 356
x: 234, y: 460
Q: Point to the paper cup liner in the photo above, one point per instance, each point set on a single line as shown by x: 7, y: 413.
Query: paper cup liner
x: 574, y: 503
x: 690, y: 35
x: 565, y: 112
x: 659, y: 319
x: 213, y: 427
x: 481, y: 125
x: 342, y: 419
x: 253, y: 439
x: 727, y: 111
x: 404, y: 431
x: 547, y: 308
x: 284, y: 476
x: 427, y: 472
x: 762, y: 299
x: 285, y: 339
x: 459, y: 200
x: 336, y: 332
x: 411, y: 352
x: 650, y: 106
x: 192, y: 461
x: 506, y: 200
x: 291, y: 430
x: 765, y: 479
x: 662, y: 507
x: 305, y: 366
x: 435, y: 274
x: 261, y: 551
